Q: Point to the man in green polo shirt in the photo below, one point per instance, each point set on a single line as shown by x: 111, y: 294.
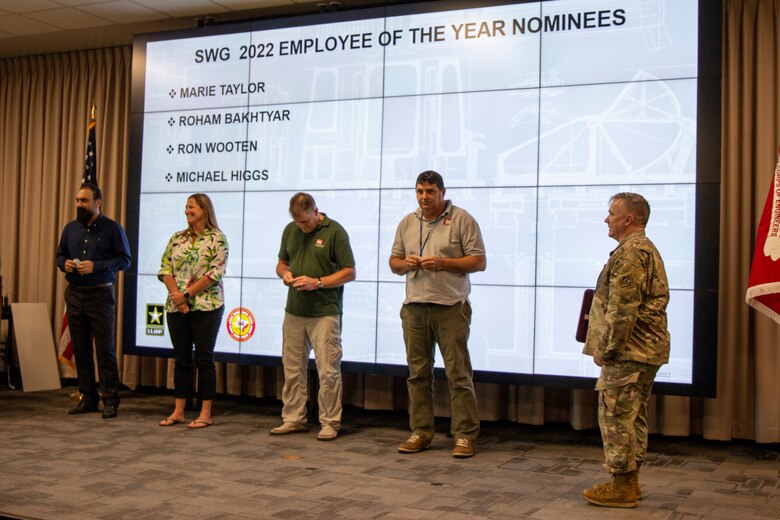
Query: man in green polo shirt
x: 315, y: 261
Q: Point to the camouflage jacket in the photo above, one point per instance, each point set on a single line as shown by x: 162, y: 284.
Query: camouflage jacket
x: 627, y: 320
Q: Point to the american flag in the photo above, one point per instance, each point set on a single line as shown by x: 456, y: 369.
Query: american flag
x: 90, y: 155
x: 65, y: 348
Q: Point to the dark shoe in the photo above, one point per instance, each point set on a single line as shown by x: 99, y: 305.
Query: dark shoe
x: 109, y: 411
x: 84, y: 406
x: 415, y: 443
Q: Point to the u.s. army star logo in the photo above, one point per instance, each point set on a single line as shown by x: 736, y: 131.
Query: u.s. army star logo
x: 155, y: 322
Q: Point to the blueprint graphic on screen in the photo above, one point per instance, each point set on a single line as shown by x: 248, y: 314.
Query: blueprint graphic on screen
x: 535, y: 114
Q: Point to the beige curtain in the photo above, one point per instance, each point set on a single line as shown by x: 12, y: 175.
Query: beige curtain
x: 749, y: 346
x: 43, y: 115
x: 45, y: 105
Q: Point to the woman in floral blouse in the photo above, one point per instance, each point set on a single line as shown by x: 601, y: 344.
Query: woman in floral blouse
x: 193, y: 265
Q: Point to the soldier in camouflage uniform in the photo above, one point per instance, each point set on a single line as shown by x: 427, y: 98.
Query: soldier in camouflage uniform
x: 629, y: 340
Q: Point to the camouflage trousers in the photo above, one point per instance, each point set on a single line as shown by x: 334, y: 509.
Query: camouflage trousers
x: 624, y: 391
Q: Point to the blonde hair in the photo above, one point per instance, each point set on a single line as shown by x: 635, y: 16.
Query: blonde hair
x: 203, y: 200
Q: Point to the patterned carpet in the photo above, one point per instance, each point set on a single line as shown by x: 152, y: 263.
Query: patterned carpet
x: 55, y: 466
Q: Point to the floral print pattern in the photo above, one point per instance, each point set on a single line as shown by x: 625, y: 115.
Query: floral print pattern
x: 189, y: 258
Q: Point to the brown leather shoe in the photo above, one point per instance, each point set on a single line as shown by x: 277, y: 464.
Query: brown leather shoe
x: 463, y: 449
x: 618, y: 493
x: 414, y: 444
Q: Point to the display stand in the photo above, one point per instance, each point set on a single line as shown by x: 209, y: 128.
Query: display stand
x: 35, y: 348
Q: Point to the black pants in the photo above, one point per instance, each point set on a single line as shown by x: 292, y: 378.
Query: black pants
x: 198, y: 329
x: 91, y: 315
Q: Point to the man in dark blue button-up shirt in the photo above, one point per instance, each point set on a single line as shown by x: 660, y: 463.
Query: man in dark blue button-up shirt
x: 92, y: 249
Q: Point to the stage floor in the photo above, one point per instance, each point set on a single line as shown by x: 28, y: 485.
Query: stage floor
x: 55, y: 466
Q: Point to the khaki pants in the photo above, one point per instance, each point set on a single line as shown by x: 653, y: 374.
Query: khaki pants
x: 300, y: 335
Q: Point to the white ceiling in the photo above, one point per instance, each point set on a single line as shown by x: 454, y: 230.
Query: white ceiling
x: 41, y: 26
x: 28, y: 17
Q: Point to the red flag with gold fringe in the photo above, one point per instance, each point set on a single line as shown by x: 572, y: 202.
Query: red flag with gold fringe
x: 763, y: 292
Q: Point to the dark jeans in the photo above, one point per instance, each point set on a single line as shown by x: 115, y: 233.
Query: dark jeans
x: 91, y: 315
x: 198, y: 328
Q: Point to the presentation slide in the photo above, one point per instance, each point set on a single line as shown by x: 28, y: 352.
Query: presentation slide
x: 534, y: 113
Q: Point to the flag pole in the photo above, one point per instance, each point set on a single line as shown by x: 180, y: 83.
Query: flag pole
x: 89, y: 174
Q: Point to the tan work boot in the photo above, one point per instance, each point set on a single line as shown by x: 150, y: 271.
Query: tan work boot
x: 635, y: 481
x: 618, y: 493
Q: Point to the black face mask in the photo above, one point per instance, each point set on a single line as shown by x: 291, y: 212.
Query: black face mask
x: 83, y: 215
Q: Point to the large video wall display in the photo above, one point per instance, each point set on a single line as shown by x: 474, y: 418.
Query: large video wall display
x: 535, y: 114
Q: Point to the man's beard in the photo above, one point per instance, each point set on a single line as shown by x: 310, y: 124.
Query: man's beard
x: 83, y: 215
